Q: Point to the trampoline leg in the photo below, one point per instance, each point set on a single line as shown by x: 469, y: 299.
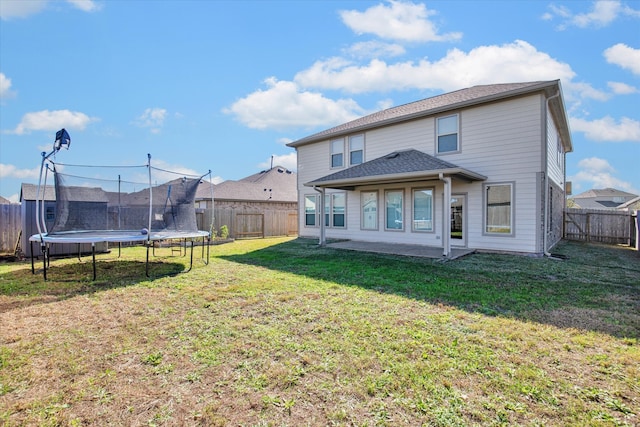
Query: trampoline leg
x: 191, y: 262
x: 33, y: 269
x: 147, y: 266
x: 93, y: 256
x: 44, y: 261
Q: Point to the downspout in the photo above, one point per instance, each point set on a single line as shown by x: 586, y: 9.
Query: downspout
x: 546, y: 179
x: 446, y: 208
x: 323, y: 241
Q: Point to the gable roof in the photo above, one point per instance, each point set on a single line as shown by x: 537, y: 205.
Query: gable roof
x: 604, y: 193
x: 398, y: 166
x: 29, y: 192
x: 450, y: 101
x: 277, y: 184
x: 4, y: 201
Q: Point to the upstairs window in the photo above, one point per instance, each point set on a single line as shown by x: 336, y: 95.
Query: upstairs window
x: 447, y: 134
x: 356, y: 149
x: 337, y: 153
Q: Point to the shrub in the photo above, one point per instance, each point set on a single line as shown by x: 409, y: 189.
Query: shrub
x: 224, y: 232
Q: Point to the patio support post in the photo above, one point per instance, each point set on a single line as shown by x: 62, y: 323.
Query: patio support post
x: 446, y: 224
x: 323, y: 239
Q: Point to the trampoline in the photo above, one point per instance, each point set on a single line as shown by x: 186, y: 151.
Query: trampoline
x: 92, y: 208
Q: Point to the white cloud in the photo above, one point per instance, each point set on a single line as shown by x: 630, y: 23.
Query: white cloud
x: 284, y: 105
x: 598, y: 173
x: 622, y: 88
x: 601, y: 14
x: 607, y: 129
x: 5, y: 87
x: 396, y: 20
x: 513, y: 62
x: 23, y: 8
x: 374, y: 49
x: 20, y: 8
x: 624, y: 56
x: 577, y: 90
x: 284, y: 141
x: 86, y: 5
x: 289, y: 161
x: 53, y: 120
x: 152, y: 118
x: 11, y: 171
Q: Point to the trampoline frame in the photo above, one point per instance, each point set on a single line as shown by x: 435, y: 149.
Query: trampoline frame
x: 115, y: 236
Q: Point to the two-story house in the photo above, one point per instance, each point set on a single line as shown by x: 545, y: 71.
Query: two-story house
x: 481, y: 168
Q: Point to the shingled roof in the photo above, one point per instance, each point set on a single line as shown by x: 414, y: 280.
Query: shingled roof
x: 398, y: 166
x: 277, y: 184
x: 29, y: 192
x: 449, y: 101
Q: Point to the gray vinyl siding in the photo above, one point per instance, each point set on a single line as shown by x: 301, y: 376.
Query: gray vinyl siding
x: 555, y: 169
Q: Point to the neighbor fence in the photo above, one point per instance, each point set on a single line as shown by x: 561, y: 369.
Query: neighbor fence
x: 601, y: 226
x: 10, y: 227
x: 244, y: 223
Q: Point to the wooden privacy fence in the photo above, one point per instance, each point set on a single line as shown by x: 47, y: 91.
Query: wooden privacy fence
x: 250, y: 223
x: 592, y: 225
x: 10, y: 226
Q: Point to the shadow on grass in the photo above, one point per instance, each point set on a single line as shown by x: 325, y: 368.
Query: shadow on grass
x: 595, y: 287
x: 67, y: 279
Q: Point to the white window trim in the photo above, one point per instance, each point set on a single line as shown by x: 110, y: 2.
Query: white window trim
x: 350, y: 151
x: 392, y: 190
x: 331, y: 153
x: 433, y: 208
x: 328, y: 210
x: 304, y: 211
x: 377, y: 227
x: 512, y: 232
x: 459, y: 142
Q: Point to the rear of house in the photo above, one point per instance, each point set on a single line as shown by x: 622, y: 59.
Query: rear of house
x: 481, y: 168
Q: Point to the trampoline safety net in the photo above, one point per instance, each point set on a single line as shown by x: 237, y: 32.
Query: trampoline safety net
x: 97, y: 203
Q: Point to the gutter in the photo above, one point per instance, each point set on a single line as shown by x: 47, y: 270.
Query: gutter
x: 546, y: 181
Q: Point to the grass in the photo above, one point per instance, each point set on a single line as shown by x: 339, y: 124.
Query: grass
x: 281, y: 332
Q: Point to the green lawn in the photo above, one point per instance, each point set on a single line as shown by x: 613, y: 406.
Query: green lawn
x: 281, y: 332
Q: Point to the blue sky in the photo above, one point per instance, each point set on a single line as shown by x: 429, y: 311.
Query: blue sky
x: 224, y: 85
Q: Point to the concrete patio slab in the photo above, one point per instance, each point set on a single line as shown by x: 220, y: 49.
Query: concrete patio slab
x: 399, y: 249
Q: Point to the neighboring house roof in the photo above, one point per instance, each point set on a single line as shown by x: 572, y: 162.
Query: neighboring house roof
x: 604, y: 193
x: 277, y: 184
x: 633, y: 204
x: 4, y: 201
x: 449, y: 101
x: 29, y: 192
x: 606, y: 198
x: 399, y: 166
